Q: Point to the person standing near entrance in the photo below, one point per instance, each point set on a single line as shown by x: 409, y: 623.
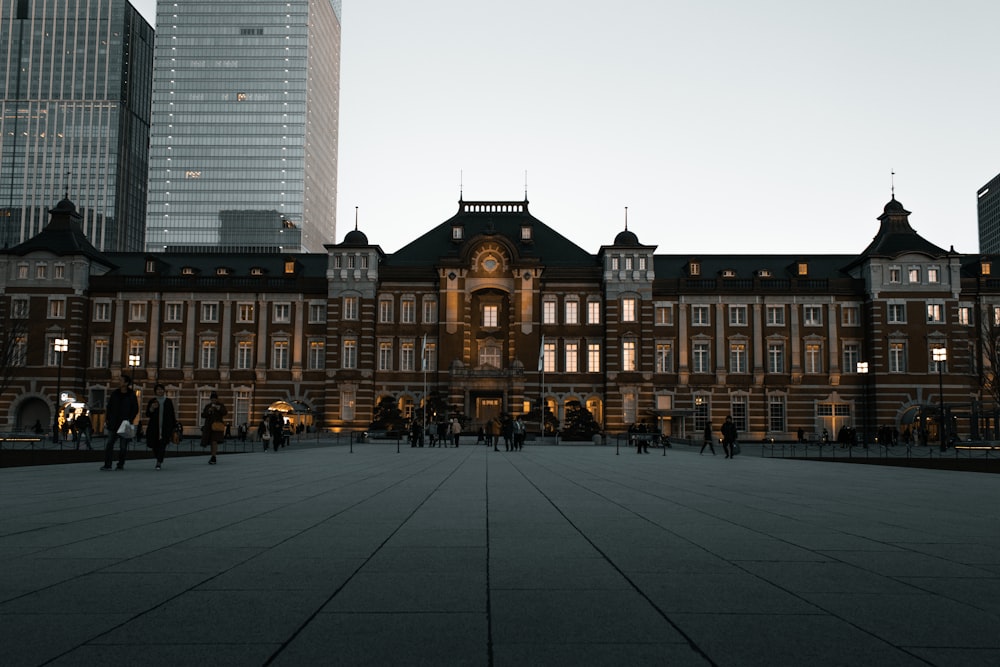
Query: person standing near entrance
x: 162, y: 423
x: 708, y: 438
x: 123, y: 406
x: 728, y: 436
x: 456, y: 430
x: 213, y: 430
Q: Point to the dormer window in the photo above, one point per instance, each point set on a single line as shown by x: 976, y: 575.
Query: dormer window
x: 150, y: 266
x: 764, y: 273
x: 694, y: 268
x: 802, y: 269
x: 289, y: 267
x: 256, y: 271
x: 525, y: 232
x: 728, y: 273
x: 457, y: 233
x: 984, y: 268
x: 187, y: 271
x: 222, y: 271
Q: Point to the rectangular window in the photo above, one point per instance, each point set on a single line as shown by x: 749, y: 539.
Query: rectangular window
x: 347, y: 401
x: 172, y: 353
x: 430, y: 311
x: 137, y: 311
x: 59, y: 271
x: 280, y: 357
x: 101, y: 352
x: 173, y: 311
x: 664, y: 358
x: 700, y: 358
x: 614, y: 263
x: 408, y: 310
x: 776, y: 421
x: 20, y: 308
x: 385, y: 356
x: 738, y: 409
x: 22, y: 271
x: 350, y: 355
x: 629, y: 407
x: 19, y: 351
x: 628, y: 309
x: 852, y: 355
x: 282, y: 313
x: 664, y: 315
x: 775, y: 316
x: 935, y: 313
x: 964, y: 315
x: 737, y: 358
x: 244, y: 355
x: 933, y: 274
x: 738, y: 316
x: 628, y: 263
x: 702, y: 409
x: 572, y: 353
x: 812, y: 316
x: 350, y: 308
x: 593, y: 357
x: 385, y: 311
x: 210, y: 312
x: 593, y: 312
x: 57, y: 309
x: 897, y: 357
x: 628, y: 355
x: 549, y: 358
x: 549, y: 311
x: 572, y: 312
x: 209, y: 354
x: 914, y: 276
x: 699, y: 316
x: 430, y: 357
x: 102, y: 311
x: 895, y: 275
x: 245, y: 313
x: 775, y: 357
x: 897, y: 313
x: 407, y: 356
x: 814, y: 358
x: 491, y: 317
x: 41, y: 271
x: 317, y: 355
x: 363, y: 261
x: 850, y: 316
x: 136, y: 351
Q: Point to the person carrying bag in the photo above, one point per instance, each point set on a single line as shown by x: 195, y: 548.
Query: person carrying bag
x: 213, y: 430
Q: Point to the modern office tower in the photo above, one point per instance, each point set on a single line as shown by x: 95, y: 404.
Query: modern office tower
x: 243, y: 155
x: 989, y: 216
x: 75, y: 118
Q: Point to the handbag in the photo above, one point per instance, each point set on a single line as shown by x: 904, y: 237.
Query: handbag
x: 218, y: 427
x: 127, y: 430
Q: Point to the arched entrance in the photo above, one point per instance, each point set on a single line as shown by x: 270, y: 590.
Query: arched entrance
x: 295, y: 413
x: 34, y: 415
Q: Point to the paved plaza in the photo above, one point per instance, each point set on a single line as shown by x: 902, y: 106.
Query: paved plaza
x: 568, y: 555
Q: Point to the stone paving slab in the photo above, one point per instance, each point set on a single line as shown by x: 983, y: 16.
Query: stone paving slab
x: 549, y: 556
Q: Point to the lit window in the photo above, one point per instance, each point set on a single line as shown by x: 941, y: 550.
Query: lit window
x: 814, y: 358
x: 385, y: 310
x: 897, y: 357
x: 317, y: 355
x: 664, y: 315
x: 964, y: 315
x: 350, y: 308
x: 549, y: 311
x: 913, y: 275
x: 407, y: 356
x: 491, y: 317
x: 737, y: 358
x: 280, y: 356
x: 57, y: 309
x: 593, y: 357
x: 385, y: 356
x: 593, y: 312
x: 664, y: 358
x: 935, y: 313
x: 571, y: 352
x: 933, y: 274
x: 101, y: 352
x: 572, y: 309
x: 430, y: 311
x: 628, y: 309
x: 407, y: 310
x: 244, y: 355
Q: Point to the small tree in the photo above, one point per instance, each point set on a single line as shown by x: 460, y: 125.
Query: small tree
x: 387, y: 416
x: 580, y: 423
x: 12, y: 333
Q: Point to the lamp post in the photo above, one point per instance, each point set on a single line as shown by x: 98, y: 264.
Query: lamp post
x: 863, y: 372
x: 940, y: 356
x: 59, y: 345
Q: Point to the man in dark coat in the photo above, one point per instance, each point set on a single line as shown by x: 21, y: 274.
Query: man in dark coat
x: 123, y: 406
x: 162, y: 423
x: 728, y: 436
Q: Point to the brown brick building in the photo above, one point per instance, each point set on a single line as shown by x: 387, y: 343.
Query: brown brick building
x: 494, y: 311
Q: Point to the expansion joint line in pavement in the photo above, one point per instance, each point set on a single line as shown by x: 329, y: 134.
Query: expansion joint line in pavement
x: 489, y: 600
x: 335, y: 593
x: 690, y: 641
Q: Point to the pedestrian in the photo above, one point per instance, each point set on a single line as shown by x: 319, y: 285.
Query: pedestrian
x: 262, y: 431
x: 508, y: 433
x: 123, y: 407
x: 442, y: 429
x: 519, y: 432
x: 493, y: 431
x: 708, y: 438
x: 162, y: 423
x: 85, y: 427
x: 275, y: 426
x: 456, y: 430
x: 728, y: 436
x: 213, y: 429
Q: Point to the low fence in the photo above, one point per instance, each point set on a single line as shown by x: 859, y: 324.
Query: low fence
x: 965, y: 456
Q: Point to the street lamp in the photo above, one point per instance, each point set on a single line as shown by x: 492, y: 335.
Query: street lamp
x: 59, y: 345
x: 941, y: 356
x: 863, y: 372
x: 133, y: 362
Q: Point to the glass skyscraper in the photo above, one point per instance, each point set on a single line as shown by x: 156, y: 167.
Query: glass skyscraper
x: 75, y: 118
x: 243, y: 153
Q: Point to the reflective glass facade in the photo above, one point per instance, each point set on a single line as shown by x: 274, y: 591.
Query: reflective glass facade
x: 75, y: 117
x: 243, y: 153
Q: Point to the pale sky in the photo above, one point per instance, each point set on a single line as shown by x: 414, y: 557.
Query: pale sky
x: 725, y: 127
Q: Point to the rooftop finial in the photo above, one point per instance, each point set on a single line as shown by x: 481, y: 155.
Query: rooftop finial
x: 626, y: 218
x: 355, y: 218
x: 461, y: 184
x: 66, y: 185
x: 892, y: 182
x: 525, y: 185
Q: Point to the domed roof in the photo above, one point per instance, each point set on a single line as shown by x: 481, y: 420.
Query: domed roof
x: 894, y: 207
x: 355, y: 237
x: 626, y: 238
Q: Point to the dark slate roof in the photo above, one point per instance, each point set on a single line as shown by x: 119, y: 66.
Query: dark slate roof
x: 355, y: 238
x: 62, y: 236
x: 493, y: 218
x: 895, y: 237
x: 747, y: 266
x: 627, y: 238
x: 205, y: 264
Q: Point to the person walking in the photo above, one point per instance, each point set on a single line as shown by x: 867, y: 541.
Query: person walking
x: 728, y: 436
x: 123, y: 407
x: 276, y: 427
x: 213, y: 430
x: 518, y: 433
x: 162, y: 423
x: 708, y: 438
x: 456, y: 430
x: 85, y: 427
